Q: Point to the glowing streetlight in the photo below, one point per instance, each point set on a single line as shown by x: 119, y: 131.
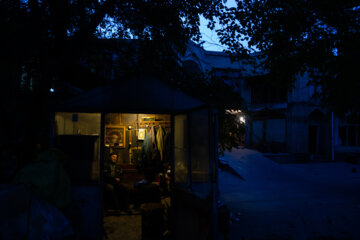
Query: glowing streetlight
x: 242, y: 119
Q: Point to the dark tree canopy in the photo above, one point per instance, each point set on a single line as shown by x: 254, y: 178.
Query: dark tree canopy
x: 318, y: 36
x: 45, y: 34
x: 48, y: 43
x: 45, y: 43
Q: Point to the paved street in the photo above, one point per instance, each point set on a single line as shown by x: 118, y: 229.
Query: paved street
x: 291, y: 201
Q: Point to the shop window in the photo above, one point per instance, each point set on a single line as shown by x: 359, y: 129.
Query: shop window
x: 77, y: 124
x: 78, y: 136
x: 199, y: 142
x: 181, y: 153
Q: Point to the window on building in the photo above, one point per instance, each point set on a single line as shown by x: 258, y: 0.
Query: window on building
x: 227, y: 73
x: 342, y: 135
x: 230, y: 77
x: 352, y: 139
x: 191, y: 67
x: 349, y: 135
x: 264, y: 91
x: 267, y: 94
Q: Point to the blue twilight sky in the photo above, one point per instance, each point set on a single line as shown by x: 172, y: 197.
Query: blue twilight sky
x: 209, y: 36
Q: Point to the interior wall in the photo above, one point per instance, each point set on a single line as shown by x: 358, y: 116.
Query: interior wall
x: 131, y: 124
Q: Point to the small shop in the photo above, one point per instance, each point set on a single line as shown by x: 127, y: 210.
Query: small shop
x: 141, y: 158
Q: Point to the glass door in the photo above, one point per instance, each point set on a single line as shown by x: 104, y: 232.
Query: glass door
x: 195, y: 150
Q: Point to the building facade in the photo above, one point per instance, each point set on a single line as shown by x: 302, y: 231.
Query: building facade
x: 289, y: 126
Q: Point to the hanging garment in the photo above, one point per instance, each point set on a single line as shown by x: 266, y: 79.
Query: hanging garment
x: 151, y: 163
x: 160, y: 135
x: 152, y: 136
x: 149, y: 149
x: 145, y: 150
x: 155, y: 156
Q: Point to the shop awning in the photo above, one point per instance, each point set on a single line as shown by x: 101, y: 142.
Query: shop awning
x: 141, y: 94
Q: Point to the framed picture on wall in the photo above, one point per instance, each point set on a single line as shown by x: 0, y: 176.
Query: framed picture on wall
x: 148, y: 118
x: 141, y: 134
x: 115, y: 136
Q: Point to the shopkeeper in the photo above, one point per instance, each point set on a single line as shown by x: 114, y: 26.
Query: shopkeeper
x: 112, y: 171
x: 112, y: 177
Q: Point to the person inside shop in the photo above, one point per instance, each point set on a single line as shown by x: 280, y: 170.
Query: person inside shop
x: 117, y: 193
x: 113, y: 173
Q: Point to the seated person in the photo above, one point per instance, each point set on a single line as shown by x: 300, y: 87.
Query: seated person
x: 112, y: 171
x: 119, y: 193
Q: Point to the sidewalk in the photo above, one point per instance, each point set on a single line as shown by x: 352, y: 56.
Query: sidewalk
x: 290, y: 201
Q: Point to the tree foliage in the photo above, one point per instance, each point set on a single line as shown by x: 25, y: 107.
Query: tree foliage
x: 317, y: 36
x: 46, y: 42
x: 46, y: 34
x: 213, y: 90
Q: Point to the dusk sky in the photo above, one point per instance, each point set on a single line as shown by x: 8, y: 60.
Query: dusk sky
x: 209, y: 36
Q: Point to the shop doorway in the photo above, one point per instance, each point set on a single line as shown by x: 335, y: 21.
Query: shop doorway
x: 137, y: 167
